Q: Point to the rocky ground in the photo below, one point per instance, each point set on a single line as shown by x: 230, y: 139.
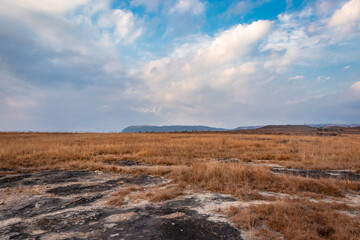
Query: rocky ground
x: 74, y: 205
x: 61, y: 204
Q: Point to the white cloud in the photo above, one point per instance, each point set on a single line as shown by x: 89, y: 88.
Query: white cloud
x: 188, y: 79
x: 47, y: 6
x: 231, y: 45
x: 297, y: 77
x: 20, y: 102
x: 354, y: 92
x: 59, y: 22
x: 356, y: 87
x: 323, y: 78
x: 347, y: 14
x: 347, y: 67
x: 151, y: 109
x: 325, y: 7
x: 71, y: 29
x: 196, y: 7
x: 290, y: 42
x: 127, y: 28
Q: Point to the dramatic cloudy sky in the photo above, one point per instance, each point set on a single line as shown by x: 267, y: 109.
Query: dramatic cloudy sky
x: 101, y: 65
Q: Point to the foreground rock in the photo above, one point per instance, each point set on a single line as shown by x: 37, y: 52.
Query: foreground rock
x: 74, y: 205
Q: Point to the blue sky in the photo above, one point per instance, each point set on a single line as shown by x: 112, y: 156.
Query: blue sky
x: 101, y: 65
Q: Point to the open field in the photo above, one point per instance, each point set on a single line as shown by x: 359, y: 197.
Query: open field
x: 271, y: 199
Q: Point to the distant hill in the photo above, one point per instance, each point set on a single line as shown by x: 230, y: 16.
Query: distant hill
x: 173, y: 128
x: 333, y: 125
x: 320, y: 129
x: 288, y: 128
x: 248, y: 127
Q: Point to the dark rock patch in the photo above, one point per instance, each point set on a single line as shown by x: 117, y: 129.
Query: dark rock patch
x: 83, y: 201
x: 141, y: 180
x: 7, y: 169
x: 227, y: 160
x: 59, y: 176
x: 79, y: 189
x: 32, y: 208
x: 343, y: 175
x: 150, y: 223
x: 189, y: 228
x: 218, y: 197
x: 12, y: 180
x: 46, y: 177
x: 15, y: 231
x: 40, y: 206
x: 76, y: 221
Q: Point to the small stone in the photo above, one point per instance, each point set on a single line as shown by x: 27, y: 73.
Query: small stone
x: 173, y: 223
x: 111, y: 225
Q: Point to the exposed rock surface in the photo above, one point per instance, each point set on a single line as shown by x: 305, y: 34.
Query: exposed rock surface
x: 73, y: 205
x: 339, y: 174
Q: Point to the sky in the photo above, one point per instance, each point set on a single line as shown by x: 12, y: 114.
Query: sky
x: 102, y: 65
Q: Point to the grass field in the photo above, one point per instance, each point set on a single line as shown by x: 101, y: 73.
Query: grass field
x: 297, y: 208
x: 45, y: 150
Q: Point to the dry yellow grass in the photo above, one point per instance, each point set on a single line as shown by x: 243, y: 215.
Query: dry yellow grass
x: 163, y: 192
x: 316, y: 152
x: 297, y: 219
x: 239, y: 179
x: 159, y: 193
x: 117, y: 199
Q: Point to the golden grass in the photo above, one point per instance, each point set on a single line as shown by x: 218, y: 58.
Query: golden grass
x: 297, y: 219
x: 117, y: 199
x: 159, y: 193
x: 239, y: 179
x: 19, y: 150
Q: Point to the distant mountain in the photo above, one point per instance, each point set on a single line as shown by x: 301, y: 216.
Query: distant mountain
x: 286, y: 128
x: 173, y: 128
x: 247, y: 127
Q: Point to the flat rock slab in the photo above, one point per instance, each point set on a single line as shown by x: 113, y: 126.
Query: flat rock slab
x: 338, y: 174
x: 73, y: 205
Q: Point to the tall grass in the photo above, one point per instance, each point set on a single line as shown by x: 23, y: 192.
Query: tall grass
x: 318, y: 152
